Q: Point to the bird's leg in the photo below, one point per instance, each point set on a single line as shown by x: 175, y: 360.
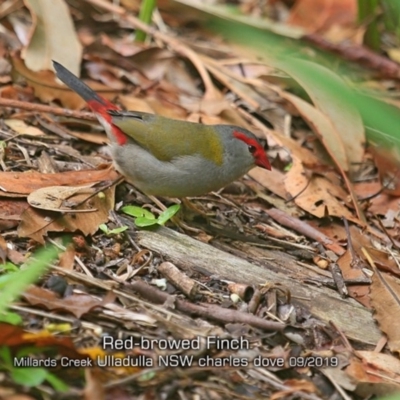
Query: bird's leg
x: 192, y: 210
x: 157, y: 202
x: 190, y: 206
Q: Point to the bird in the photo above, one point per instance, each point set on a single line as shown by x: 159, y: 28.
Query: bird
x: 166, y: 157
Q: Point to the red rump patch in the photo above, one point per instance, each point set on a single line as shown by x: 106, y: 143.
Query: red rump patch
x: 121, y: 137
x: 101, y: 105
x: 101, y: 108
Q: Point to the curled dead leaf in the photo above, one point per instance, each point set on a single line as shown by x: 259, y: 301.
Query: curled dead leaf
x: 60, y: 198
x: 48, y: 89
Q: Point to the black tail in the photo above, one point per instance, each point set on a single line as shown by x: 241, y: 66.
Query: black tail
x: 76, y: 84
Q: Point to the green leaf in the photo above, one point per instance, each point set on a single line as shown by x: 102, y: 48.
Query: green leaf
x: 143, y: 221
x: 15, y: 283
x: 145, y: 15
x: 288, y: 167
x: 381, y: 119
x: 30, y: 350
x: 118, y: 230
x: 29, y: 376
x: 57, y: 383
x: 115, y: 231
x: 104, y: 228
x: 5, y: 356
x: 8, y: 266
x: 11, y: 318
x: 147, y: 376
x: 6, y: 279
x: 138, y: 212
x: 168, y: 214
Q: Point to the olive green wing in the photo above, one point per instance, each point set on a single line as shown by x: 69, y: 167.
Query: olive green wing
x: 167, y: 138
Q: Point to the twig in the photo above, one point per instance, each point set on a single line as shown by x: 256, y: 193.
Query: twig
x: 47, y: 109
x: 168, y: 40
x: 359, y: 54
x: 307, y: 230
x: 356, y: 261
x: 120, y: 224
x: 338, y: 279
x: 204, y: 310
x: 387, y: 234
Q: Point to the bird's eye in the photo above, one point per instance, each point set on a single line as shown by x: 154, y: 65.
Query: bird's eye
x: 252, y: 149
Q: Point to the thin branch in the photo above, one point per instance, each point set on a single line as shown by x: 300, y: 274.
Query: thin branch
x: 35, y: 107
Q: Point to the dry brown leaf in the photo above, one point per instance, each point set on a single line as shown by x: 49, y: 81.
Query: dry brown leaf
x: 153, y: 62
x: 204, y: 119
x: 123, y: 314
x: 384, y: 261
x: 211, y: 107
x: 272, y: 180
x: 17, y: 93
x: 314, y: 194
x: 178, y: 75
x: 47, y: 89
x: 335, y: 121
x: 24, y: 183
x: 231, y: 116
x: 21, y: 127
x: 91, y: 137
x: 334, y: 230
x: 294, y: 386
x: 166, y: 108
x: 103, y: 73
x: 244, y: 91
x: 76, y: 304
x: 394, y: 54
x: 36, y: 223
x: 357, y: 292
x: 4, y: 392
x: 374, y: 374
x: 11, y: 211
x: 67, y: 258
x: 3, y: 250
x: 130, y: 102
x: 319, y: 15
x: 387, y: 161
x: 124, y: 46
x: 248, y: 69
x: 94, y: 386
x: 385, y: 299
x: 53, y: 37
x: 16, y: 337
x: 323, y: 128
x: 309, y: 159
x: 59, y: 198
x: 379, y: 204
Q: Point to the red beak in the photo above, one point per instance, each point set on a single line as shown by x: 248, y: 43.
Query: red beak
x: 263, y: 162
